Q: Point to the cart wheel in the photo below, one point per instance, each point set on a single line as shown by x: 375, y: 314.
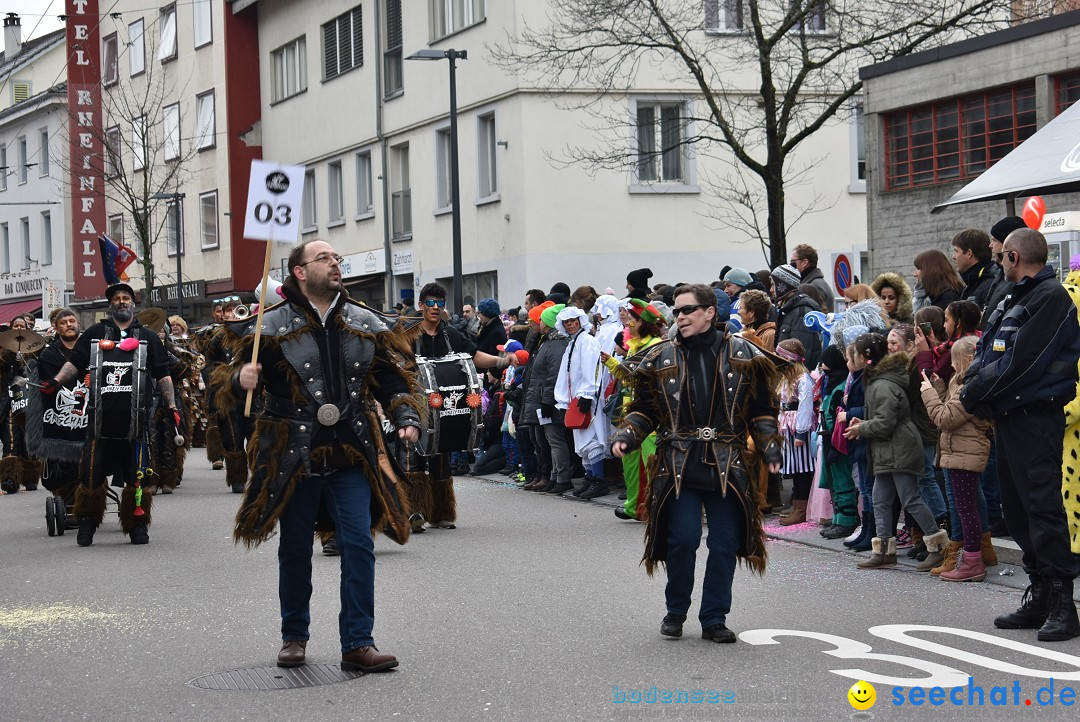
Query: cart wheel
x: 60, y: 514
x: 50, y: 517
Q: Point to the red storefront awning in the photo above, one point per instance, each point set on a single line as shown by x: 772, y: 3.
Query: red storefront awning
x: 9, y: 311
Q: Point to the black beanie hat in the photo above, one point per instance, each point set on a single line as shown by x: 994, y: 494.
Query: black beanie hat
x: 1005, y: 226
x: 560, y: 287
x: 639, y: 278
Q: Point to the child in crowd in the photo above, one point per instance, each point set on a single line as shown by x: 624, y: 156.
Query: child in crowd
x: 895, y: 448
x: 797, y: 420
x: 964, y: 449
x: 836, y: 463
x: 854, y: 409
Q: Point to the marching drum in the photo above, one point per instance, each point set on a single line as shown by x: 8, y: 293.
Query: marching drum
x: 455, y: 417
x: 119, y: 390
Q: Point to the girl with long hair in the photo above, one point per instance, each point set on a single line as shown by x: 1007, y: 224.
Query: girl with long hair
x: 797, y: 420
x: 938, y: 280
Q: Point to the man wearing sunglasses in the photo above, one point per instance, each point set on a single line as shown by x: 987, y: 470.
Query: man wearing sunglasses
x: 324, y: 362
x: 706, y: 394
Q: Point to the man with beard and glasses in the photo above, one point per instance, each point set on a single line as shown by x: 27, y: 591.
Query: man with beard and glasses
x: 120, y: 450
x: 326, y: 363
x: 16, y: 467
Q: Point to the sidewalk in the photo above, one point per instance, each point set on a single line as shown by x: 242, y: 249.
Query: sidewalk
x: 808, y: 534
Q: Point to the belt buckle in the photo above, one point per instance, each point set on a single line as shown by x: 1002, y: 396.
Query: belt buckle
x: 328, y: 414
x: 707, y: 434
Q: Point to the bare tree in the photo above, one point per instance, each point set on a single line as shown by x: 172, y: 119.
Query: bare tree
x: 764, y: 76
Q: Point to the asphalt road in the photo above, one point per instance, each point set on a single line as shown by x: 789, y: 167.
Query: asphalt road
x: 534, y: 608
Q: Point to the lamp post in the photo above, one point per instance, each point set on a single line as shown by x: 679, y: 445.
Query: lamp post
x: 176, y: 198
x: 455, y: 192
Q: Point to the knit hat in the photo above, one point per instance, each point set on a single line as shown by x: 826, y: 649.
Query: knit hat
x: 644, y: 311
x: 488, y: 307
x: 559, y: 288
x: 1005, y: 226
x: 739, y: 276
x: 535, y: 311
x: 551, y: 314
x: 786, y: 278
x: 639, y: 278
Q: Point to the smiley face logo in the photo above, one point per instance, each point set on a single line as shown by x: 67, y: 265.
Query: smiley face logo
x: 862, y: 696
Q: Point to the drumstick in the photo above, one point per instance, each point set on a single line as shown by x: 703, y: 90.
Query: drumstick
x: 258, y: 321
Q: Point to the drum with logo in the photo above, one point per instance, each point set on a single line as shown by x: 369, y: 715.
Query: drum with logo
x: 56, y: 424
x: 119, y: 390
x: 454, y: 418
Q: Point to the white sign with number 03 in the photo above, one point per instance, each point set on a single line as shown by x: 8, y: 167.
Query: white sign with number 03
x: 275, y: 196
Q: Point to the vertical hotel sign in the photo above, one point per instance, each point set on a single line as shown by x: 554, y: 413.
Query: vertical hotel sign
x: 86, y: 151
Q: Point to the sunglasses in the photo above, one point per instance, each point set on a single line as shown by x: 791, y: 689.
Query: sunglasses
x: 433, y: 302
x: 687, y: 310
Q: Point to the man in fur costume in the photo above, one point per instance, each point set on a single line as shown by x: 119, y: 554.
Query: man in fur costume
x: 707, y: 395
x: 215, y: 451
x: 120, y: 450
x: 17, y: 467
x: 324, y: 362
x: 231, y: 428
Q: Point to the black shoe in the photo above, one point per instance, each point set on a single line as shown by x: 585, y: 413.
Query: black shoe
x: 508, y: 471
x: 547, y: 489
x: 87, y: 527
x: 824, y: 530
x: 238, y: 487
x: 560, y: 489
x: 719, y: 633
x: 838, y: 531
x: 9, y: 487
x: 672, y: 625
x: 600, y: 488
x: 621, y: 513
x: 913, y: 552
x: 30, y: 487
x: 622, y: 496
x: 139, y: 534
x: 330, y: 548
x: 1034, y: 608
x: 998, y: 528
x: 1062, y: 623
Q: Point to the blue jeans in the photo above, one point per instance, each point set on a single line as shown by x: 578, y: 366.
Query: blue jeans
x: 991, y: 491
x: 928, y: 486
x: 348, y: 496
x: 955, y: 532
x: 684, y: 537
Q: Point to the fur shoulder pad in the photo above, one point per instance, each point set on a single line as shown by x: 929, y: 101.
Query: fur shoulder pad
x: 280, y: 319
x: 360, y: 318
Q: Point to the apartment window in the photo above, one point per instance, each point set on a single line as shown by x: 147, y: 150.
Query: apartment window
x: 449, y: 16
x: 112, y: 152
x: 138, y: 143
x: 25, y: 223
x: 136, y: 50
x: 174, y: 227
x: 858, y: 149
x: 208, y: 220
x: 442, y: 169
x: 110, y: 60
x: 400, y: 193
x: 288, y: 69
x: 343, y: 44
x: 660, y: 137
x: 116, y: 228
x: 393, y: 76
x: 309, y: 221
x: 486, y: 144
x: 815, y: 19
x: 167, y: 34
x: 957, y: 138
x: 336, y: 192
x: 171, y: 123
x: 724, y: 16
x: 20, y: 144
x: 4, y: 172
x: 46, y: 238
x: 1067, y: 91
x: 5, y: 252
x: 43, y: 152
x: 204, y: 28
x: 205, y: 128
x: 365, y: 201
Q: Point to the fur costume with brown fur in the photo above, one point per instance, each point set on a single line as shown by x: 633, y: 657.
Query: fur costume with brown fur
x: 236, y: 468
x: 443, y: 502
x: 11, y: 469
x: 128, y: 520
x: 214, y: 450
x: 30, y: 474
x: 418, y: 493
x: 89, y: 503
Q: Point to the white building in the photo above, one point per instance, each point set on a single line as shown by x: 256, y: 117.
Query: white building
x: 337, y: 96
x: 35, y: 257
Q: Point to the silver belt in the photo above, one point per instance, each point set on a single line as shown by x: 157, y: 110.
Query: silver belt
x: 706, y: 434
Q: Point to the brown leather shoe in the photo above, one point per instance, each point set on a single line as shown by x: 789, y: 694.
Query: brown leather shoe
x: 367, y: 659
x: 292, y: 653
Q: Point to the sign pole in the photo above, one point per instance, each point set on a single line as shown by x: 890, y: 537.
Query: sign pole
x: 258, y: 319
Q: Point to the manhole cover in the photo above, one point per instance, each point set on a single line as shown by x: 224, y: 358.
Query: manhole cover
x: 271, y: 678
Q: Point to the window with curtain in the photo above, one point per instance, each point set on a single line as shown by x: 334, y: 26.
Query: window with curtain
x: 25, y: 223
x: 138, y: 142
x: 442, y: 169
x: 112, y: 152
x: 659, y: 141
x: 309, y: 219
x: 365, y: 201
x: 171, y: 131
x: 400, y: 193
x: 724, y: 15
x: 46, y: 238
x: 288, y: 69
x: 336, y: 191
x: 110, y: 60
x: 208, y: 220
x: 116, y: 228
x: 486, y: 145
x: 450, y: 16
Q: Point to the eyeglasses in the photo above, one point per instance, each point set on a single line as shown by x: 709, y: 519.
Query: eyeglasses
x: 999, y: 257
x: 325, y: 258
x: 433, y: 302
x: 687, y: 310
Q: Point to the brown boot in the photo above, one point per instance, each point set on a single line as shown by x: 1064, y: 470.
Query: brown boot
x: 952, y: 549
x: 989, y: 554
x: 367, y: 659
x: 797, y: 515
x: 537, y: 484
x: 934, y: 542
x: 969, y: 568
x: 884, y: 554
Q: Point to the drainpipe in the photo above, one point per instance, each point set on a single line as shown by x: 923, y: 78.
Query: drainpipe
x: 387, y: 250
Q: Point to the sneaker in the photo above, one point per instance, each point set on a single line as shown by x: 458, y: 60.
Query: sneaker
x: 417, y: 521
x: 672, y: 625
x: 903, y: 540
x: 718, y: 633
x: 854, y: 535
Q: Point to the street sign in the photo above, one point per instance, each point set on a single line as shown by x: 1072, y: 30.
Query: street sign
x: 842, y: 273
x: 275, y: 197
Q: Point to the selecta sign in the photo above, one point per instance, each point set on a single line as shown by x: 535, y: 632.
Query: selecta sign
x: 86, y: 148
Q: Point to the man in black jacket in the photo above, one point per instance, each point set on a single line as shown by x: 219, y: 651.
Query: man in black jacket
x: 971, y: 254
x: 804, y: 259
x: 792, y: 309
x: 1023, y: 375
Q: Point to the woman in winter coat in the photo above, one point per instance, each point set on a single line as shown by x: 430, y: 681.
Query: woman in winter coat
x: 793, y: 307
x: 553, y: 453
x: 754, y: 311
x: 936, y: 278
x: 895, y: 449
x: 896, y: 297
x: 962, y: 451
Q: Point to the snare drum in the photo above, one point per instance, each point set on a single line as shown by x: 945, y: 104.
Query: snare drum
x: 452, y: 390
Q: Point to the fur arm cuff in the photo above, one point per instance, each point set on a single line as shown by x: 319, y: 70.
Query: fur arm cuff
x: 763, y: 429
x: 405, y: 410
x: 636, y: 426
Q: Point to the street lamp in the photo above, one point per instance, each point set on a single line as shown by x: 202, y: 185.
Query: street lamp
x: 455, y: 193
x: 176, y: 198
